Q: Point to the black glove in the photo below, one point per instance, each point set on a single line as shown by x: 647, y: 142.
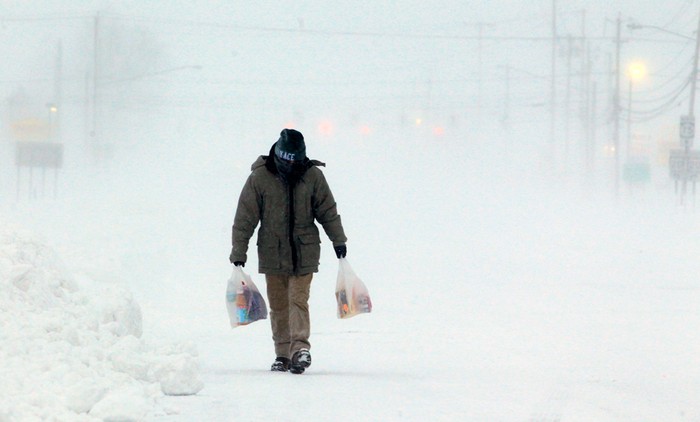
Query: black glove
x: 233, y: 261
x: 340, y: 251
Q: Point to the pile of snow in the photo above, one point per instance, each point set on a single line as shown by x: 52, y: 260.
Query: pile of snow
x: 71, y: 348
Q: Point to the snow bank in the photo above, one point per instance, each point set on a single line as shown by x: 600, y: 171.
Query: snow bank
x: 71, y: 348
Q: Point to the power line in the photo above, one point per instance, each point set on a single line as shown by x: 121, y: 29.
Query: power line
x: 681, y: 11
x: 322, y: 32
x: 647, y: 115
x: 368, y: 34
x: 664, y: 84
x: 43, y: 18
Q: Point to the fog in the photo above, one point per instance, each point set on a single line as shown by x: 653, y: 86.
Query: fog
x: 561, y: 280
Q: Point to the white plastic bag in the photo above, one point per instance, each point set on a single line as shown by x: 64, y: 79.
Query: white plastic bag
x: 351, y: 294
x: 244, y: 302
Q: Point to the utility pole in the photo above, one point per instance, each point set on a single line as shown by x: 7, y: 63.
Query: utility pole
x: 480, y: 70
x: 691, y: 113
x: 584, y: 109
x: 58, y: 81
x: 553, y: 88
x: 506, y: 102
x: 592, y: 128
x: 683, y: 165
x: 567, y: 101
x: 480, y: 97
x: 694, y: 75
x: 616, y: 107
x: 95, y: 77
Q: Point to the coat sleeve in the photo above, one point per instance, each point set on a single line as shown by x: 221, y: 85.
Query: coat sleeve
x: 326, y: 212
x: 246, y: 220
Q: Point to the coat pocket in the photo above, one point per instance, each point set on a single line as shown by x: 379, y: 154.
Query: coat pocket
x: 309, y: 250
x: 269, y: 253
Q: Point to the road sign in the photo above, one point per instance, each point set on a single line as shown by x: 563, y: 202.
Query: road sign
x: 30, y: 130
x: 636, y: 172
x: 39, y: 154
x: 684, y: 166
x: 687, y: 130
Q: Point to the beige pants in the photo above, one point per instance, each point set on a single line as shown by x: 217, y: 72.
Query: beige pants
x: 289, y: 312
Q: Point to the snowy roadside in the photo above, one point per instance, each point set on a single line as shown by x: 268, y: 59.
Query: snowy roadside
x: 71, y: 347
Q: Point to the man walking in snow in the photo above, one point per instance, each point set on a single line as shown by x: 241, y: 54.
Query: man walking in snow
x: 285, y: 193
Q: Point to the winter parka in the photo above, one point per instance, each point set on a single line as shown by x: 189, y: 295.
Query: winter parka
x: 288, y: 239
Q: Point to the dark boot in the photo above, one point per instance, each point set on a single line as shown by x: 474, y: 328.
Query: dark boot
x: 300, y: 361
x: 280, y: 365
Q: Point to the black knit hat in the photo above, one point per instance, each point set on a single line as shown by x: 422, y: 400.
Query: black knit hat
x: 290, y: 146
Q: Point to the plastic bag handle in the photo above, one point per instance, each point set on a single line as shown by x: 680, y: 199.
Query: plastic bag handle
x: 237, y: 268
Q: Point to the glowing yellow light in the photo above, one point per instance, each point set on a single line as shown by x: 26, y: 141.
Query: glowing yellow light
x: 609, y: 150
x: 636, y: 71
x: 419, y: 121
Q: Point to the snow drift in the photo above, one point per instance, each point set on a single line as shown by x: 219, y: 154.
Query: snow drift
x: 71, y: 347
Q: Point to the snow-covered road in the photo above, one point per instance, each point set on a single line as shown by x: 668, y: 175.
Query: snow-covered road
x: 495, y: 299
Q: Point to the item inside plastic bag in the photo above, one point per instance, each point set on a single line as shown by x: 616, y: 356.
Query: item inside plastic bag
x: 351, y: 294
x: 244, y: 302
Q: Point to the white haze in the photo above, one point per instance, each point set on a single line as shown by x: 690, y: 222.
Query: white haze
x: 510, y: 282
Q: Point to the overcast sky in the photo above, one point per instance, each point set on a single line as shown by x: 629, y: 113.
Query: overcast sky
x: 361, y: 57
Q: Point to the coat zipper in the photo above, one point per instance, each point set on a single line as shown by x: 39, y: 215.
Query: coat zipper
x: 291, y: 228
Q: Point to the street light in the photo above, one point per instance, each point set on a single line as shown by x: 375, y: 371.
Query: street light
x: 687, y: 122
x: 53, y: 109
x: 636, y: 71
x: 632, y: 26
